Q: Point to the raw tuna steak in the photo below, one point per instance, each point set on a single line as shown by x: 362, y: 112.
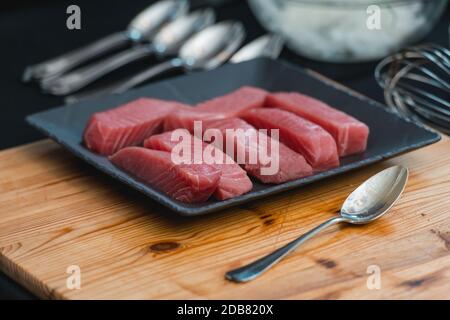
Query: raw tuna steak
x: 236, y: 102
x: 301, y: 135
x: 128, y: 125
x: 291, y: 165
x: 185, y: 183
x: 350, y: 134
x: 233, y: 181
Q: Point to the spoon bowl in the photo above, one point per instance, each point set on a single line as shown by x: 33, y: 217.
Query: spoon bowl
x: 269, y: 46
x: 375, y: 197
x: 145, y: 25
x: 172, y: 36
x: 205, y: 50
x: 212, y: 46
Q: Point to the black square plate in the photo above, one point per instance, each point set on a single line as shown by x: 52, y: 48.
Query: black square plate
x: 390, y: 134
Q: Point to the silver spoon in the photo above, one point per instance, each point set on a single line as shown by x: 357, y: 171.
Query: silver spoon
x: 368, y: 202
x: 206, y: 50
x: 269, y: 46
x: 166, y: 42
x: 140, y: 29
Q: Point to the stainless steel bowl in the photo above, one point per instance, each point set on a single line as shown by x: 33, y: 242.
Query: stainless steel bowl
x: 348, y: 30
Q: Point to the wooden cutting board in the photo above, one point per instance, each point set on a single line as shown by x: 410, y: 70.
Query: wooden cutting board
x: 57, y: 212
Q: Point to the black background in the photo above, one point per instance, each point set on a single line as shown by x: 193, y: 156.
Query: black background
x: 32, y: 31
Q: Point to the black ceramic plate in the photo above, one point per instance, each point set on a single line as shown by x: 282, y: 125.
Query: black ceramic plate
x: 390, y: 134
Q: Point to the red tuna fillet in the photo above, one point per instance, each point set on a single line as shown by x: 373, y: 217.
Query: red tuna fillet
x: 349, y: 133
x: 185, y: 183
x: 233, y: 181
x: 236, y: 102
x: 291, y: 164
x: 127, y: 125
x: 227, y: 106
x: 301, y: 135
x: 185, y: 119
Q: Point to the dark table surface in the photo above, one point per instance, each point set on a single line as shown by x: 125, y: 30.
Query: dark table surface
x: 32, y: 31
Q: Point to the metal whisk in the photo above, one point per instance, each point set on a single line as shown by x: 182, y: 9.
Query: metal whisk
x: 416, y: 83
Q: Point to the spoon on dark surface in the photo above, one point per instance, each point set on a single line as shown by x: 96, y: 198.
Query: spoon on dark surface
x: 368, y: 202
x: 206, y: 50
x: 269, y: 46
x: 140, y: 29
x: 166, y: 42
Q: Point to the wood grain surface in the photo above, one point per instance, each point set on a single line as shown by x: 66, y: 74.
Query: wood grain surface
x: 56, y: 211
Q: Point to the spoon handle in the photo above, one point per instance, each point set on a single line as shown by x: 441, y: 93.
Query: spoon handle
x: 256, y: 268
x: 63, y: 63
x: 148, y: 74
x: 125, y: 85
x: 82, y: 77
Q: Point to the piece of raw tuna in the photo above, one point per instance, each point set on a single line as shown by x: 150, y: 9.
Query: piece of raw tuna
x: 301, y: 135
x: 236, y: 102
x: 233, y: 181
x: 186, y: 183
x: 127, y: 125
x: 227, y: 106
x: 246, y: 151
x: 349, y: 133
